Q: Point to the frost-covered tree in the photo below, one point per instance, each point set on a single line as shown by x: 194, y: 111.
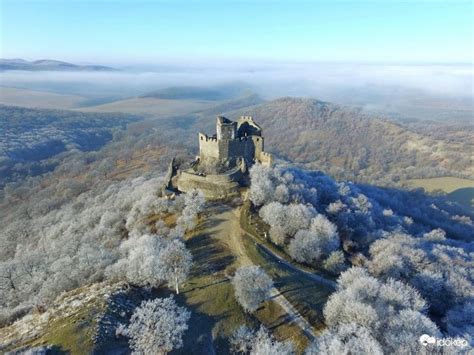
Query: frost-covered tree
x: 286, y: 220
x: 264, y: 343
x: 438, y: 268
x: 262, y: 187
x: 345, y: 339
x: 460, y: 321
x: 194, y: 201
x: 312, y: 245
x: 141, y: 263
x: 391, y: 312
x: 251, y: 286
x: 157, y: 326
x: 241, y: 340
x: 104, y: 232
x: 174, y: 263
x: 335, y: 262
x: 247, y: 341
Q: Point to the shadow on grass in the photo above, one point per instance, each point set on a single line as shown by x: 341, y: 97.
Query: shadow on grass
x: 282, y: 320
x: 209, y: 257
x: 200, y: 337
x: 463, y: 196
x: 206, y: 286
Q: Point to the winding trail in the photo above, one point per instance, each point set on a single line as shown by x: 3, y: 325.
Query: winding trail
x: 281, y: 260
x: 226, y: 228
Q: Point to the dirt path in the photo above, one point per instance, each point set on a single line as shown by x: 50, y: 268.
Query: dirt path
x: 225, y: 226
x: 289, y: 265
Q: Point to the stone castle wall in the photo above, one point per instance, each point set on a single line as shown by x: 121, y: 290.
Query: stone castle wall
x: 239, y: 144
x: 213, y: 186
x: 249, y: 148
x: 226, y: 129
x: 266, y: 159
x: 208, y: 147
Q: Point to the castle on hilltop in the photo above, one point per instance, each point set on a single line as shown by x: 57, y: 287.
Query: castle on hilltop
x: 233, y: 141
x: 224, y: 159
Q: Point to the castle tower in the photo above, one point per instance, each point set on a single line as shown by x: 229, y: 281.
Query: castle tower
x: 225, y: 128
x: 225, y: 159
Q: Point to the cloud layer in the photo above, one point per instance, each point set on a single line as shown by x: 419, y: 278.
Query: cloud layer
x: 325, y: 81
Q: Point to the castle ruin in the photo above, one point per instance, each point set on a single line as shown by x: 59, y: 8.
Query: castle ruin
x: 221, y: 167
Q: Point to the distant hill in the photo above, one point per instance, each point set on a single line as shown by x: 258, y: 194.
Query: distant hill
x: 48, y: 65
x: 347, y: 143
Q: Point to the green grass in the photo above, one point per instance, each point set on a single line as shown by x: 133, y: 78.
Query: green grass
x: 306, y: 295
x: 72, y: 334
x: 456, y: 189
x: 446, y: 184
x: 209, y: 295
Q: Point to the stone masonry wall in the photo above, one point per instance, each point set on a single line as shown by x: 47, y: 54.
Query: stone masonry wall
x: 208, y: 147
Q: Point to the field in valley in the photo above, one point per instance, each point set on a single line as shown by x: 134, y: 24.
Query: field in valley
x: 151, y: 106
x: 457, y: 189
x: 38, y: 99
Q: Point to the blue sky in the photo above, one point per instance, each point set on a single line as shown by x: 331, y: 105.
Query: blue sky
x: 176, y: 30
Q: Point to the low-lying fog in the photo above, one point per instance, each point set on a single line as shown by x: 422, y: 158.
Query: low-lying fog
x: 369, y: 84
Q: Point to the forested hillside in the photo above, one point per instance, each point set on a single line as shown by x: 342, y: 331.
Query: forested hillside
x: 411, y: 257
x: 347, y: 143
x: 29, y: 137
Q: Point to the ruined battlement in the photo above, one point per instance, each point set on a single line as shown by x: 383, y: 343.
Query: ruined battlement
x: 233, y: 140
x: 224, y: 159
x: 266, y: 159
x: 206, y: 138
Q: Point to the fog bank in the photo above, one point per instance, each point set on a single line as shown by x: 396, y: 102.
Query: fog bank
x: 347, y: 83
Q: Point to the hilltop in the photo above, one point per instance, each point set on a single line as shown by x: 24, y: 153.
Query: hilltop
x: 348, y: 143
x: 345, y: 141
x: 79, y: 239
x: 48, y: 65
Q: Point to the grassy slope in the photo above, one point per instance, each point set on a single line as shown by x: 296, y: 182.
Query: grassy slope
x: 208, y: 293
x: 210, y: 296
x: 446, y: 184
x: 307, y: 296
x: 69, y: 324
